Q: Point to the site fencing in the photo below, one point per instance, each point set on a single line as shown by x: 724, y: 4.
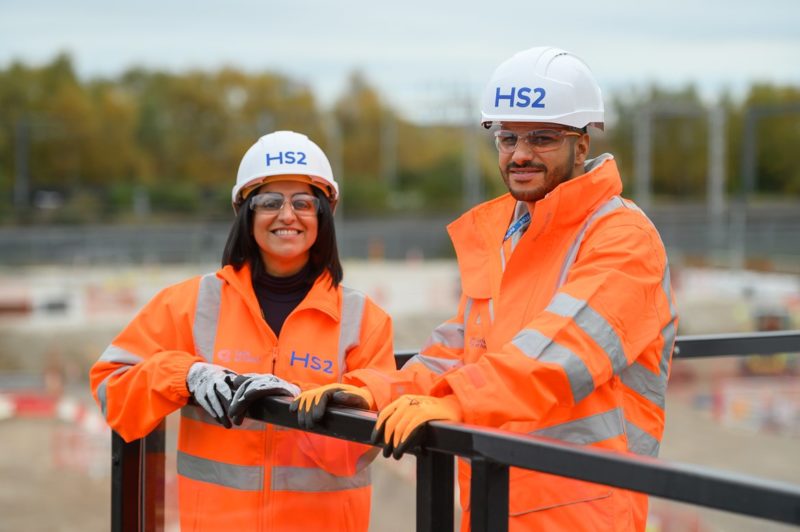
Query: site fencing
x: 688, y: 230
x: 137, y: 499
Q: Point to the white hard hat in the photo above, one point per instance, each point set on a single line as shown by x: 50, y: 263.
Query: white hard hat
x: 543, y: 84
x: 289, y: 155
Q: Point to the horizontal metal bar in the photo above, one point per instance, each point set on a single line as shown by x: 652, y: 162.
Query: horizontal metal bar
x: 733, y: 492
x: 711, y: 345
x: 346, y: 423
x: 737, y: 493
x: 736, y: 344
x: 691, y: 484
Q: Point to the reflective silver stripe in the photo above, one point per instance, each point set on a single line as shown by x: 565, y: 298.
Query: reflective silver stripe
x: 666, y: 285
x: 366, y: 459
x: 196, y: 413
x: 447, y: 334
x: 612, y: 204
x: 646, y: 383
x: 206, y: 316
x: 114, y: 355
x: 312, y: 479
x: 353, y: 303
x: 669, y: 332
x: 117, y: 355
x: 468, y: 311
x: 239, y: 477
x: 588, y: 430
x: 643, y: 381
x: 536, y: 345
x: 101, y: 390
x: 640, y: 442
x: 491, y: 310
x: 649, y: 385
x: 640, y: 379
x: 435, y: 364
x: 631, y: 205
x: 592, y: 323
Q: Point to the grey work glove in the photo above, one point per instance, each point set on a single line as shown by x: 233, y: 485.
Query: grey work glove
x: 212, y: 388
x: 251, y: 387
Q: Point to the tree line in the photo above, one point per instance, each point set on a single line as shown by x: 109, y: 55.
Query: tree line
x: 163, y: 145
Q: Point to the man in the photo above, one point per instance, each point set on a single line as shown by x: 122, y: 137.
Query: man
x: 566, y: 323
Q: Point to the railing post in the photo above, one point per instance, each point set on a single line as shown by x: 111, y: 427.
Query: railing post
x: 488, y: 496
x: 434, y: 492
x: 137, y: 482
x: 152, y: 483
x: 125, y: 460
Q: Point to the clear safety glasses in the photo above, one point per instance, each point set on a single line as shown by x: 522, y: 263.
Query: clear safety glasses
x: 538, y: 140
x: 272, y: 203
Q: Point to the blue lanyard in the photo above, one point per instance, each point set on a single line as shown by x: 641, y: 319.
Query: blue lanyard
x: 517, y: 225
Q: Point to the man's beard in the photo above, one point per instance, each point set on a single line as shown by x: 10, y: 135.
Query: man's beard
x: 552, y: 178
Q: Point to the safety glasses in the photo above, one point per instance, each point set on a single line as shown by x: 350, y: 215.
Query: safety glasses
x: 272, y: 203
x: 538, y: 140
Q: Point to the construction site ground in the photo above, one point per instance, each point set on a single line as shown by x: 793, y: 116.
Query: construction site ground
x: 55, y: 455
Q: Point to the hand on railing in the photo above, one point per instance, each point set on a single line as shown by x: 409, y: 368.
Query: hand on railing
x: 212, y: 387
x: 312, y: 404
x: 400, y: 425
x: 251, y: 387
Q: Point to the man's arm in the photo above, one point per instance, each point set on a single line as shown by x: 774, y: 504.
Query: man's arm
x: 614, y: 305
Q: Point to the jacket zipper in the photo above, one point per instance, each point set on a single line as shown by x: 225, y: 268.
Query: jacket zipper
x: 269, y: 451
x: 273, y: 359
x: 266, y: 507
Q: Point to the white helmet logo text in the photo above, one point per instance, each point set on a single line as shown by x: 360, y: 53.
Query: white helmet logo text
x: 520, y: 97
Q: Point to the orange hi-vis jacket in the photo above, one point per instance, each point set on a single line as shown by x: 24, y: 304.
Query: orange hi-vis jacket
x: 572, y: 341
x: 256, y: 476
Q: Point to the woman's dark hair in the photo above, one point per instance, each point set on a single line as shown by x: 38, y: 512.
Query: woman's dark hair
x: 241, y: 247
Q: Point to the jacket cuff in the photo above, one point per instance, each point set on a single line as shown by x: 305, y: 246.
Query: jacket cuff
x: 468, y: 395
x: 381, y: 387
x: 180, y: 369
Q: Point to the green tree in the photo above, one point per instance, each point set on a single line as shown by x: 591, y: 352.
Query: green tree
x: 777, y: 135
x: 679, y: 139
x: 176, y: 138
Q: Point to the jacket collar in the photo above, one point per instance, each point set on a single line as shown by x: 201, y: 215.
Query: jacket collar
x: 572, y: 201
x: 478, y: 233
x: 321, y: 297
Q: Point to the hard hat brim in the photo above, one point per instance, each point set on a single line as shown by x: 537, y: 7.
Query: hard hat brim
x: 299, y: 178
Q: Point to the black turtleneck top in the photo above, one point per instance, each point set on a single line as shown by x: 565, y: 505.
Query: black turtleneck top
x: 279, y: 296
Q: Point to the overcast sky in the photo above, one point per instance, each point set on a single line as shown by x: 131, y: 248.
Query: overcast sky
x: 421, y: 54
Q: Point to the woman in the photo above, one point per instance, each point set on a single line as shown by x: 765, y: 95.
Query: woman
x: 274, y: 320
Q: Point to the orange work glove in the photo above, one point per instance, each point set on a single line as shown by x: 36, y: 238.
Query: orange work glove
x: 399, y: 426
x: 312, y: 404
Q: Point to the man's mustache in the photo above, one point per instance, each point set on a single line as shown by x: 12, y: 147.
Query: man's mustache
x: 530, y: 164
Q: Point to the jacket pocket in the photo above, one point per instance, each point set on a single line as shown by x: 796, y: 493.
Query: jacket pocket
x: 553, y: 500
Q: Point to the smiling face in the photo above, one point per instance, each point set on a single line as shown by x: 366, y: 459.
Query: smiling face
x: 283, y: 237
x: 530, y: 175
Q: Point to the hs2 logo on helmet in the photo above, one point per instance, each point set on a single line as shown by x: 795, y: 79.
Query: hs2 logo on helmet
x: 286, y: 157
x: 520, y: 97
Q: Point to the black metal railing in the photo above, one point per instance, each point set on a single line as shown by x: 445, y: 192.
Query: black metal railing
x: 138, y: 467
